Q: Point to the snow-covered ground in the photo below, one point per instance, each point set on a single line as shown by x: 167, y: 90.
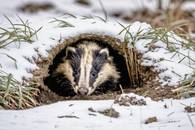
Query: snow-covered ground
x: 169, y: 63
x: 58, y: 116
x: 174, y: 65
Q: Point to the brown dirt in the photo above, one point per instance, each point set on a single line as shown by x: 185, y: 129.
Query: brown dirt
x: 127, y: 100
x: 36, y: 7
x: 83, y: 2
x: 155, y: 94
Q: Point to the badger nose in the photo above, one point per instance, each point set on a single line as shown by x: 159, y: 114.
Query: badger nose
x: 82, y: 91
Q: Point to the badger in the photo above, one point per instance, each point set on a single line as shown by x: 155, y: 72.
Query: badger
x: 85, y: 68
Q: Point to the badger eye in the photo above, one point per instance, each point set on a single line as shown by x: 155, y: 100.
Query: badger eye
x: 93, y: 74
x: 76, y: 72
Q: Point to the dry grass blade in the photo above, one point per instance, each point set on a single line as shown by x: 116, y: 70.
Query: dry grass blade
x: 7, y: 85
x: 178, y: 24
x: 104, y: 11
x: 69, y: 14
x: 61, y: 23
x: 87, y: 17
x: 12, y: 58
x: 187, y: 88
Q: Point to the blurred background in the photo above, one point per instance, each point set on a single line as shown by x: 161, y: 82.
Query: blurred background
x: 176, y: 15
x: 163, y: 15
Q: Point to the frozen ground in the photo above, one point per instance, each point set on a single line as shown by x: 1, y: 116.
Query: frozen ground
x: 132, y: 117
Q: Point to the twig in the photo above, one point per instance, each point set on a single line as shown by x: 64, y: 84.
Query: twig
x: 191, y: 122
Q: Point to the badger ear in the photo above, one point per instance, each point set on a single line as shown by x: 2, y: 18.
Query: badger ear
x: 104, y: 53
x: 70, y: 51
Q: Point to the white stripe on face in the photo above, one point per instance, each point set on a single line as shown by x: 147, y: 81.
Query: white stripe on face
x: 86, y: 65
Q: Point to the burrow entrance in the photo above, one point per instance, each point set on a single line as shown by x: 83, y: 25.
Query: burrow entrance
x: 134, y: 77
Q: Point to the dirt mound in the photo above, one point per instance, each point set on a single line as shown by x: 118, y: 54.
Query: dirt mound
x: 142, y: 78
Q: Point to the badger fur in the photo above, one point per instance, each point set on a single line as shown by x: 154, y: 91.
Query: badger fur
x: 85, y: 67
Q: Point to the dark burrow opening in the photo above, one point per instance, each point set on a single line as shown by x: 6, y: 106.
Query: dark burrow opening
x: 67, y: 91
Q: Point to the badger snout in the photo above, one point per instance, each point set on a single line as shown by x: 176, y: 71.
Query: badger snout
x: 83, y: 91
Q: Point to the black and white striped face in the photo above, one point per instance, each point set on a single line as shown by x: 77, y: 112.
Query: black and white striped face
x: 87, y: 66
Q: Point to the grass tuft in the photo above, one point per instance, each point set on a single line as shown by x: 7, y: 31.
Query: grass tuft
x: 160, y: 34
x: 17, y: 33
x: 15, y: 95
x: 167, y: 36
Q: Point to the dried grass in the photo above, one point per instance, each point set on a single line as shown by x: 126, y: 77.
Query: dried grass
x: 13, y: 94
x: 16, y: 95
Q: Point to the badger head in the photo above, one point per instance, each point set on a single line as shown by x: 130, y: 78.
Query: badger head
x: 87, y: 66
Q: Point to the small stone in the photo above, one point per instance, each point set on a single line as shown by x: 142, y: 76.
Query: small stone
x: 83, y: 2
x: 189, y: 109
x: 91, y: 109
x: 151, y: 120
x: 110, y: 112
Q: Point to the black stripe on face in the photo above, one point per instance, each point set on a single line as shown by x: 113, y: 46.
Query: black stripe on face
x: 59, y: 84
x: 75, y: 59
x: 108, y: 85
x: 98, y: 61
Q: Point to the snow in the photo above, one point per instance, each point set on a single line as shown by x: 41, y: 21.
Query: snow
x: 188, y: 5
x: 131, y: 117
x: 47, y: 117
